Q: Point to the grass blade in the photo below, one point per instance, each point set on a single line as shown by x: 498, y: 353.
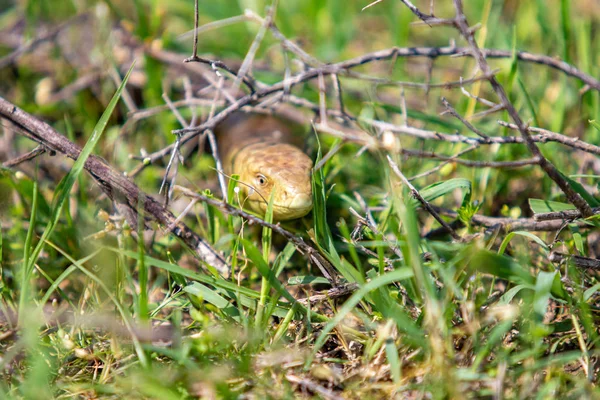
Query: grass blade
x: 64, y: 188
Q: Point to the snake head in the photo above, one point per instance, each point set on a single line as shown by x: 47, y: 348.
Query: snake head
x: 279, y: 170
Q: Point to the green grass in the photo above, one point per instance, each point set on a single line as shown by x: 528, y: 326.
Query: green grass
x: 96, y: 313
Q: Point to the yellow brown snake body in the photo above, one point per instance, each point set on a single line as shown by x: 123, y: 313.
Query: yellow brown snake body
x: 264, y: 151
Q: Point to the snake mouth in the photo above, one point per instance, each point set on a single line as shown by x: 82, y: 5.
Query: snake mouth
x: 297, y: 207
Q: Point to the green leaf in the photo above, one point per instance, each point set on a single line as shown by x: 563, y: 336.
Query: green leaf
x: 514, y: 62
x: 590, y: 292
x: 529, y: 102
x: 205, y: 293
x: 578, y: 187
x: 439, y: 189
x: 391, y: 352
x: 545, y: 206
x: 529, y: 235
x: 283, y: 258
x: 565, y: 13
x: 511, y: 293
x: 306, y: 279
x: 543, y: 288
x: 501, y: 266
x: 255, y: 256
x: 578, y: 239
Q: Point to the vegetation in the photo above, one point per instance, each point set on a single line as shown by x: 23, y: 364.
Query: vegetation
x: 461, y: 265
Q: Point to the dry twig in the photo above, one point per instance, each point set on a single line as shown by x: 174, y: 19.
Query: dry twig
x: 114, y: 184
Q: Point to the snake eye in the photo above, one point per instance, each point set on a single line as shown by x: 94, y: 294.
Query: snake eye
x: 261, y: 179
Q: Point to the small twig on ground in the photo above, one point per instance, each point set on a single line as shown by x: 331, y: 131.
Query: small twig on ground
x: 313, y: 387
x: 39, y: 150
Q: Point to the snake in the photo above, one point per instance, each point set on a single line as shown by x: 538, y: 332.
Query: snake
x: 265, y: 152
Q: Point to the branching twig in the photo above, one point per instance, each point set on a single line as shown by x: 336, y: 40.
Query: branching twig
x: 552, y: 172
x: 341, y: 68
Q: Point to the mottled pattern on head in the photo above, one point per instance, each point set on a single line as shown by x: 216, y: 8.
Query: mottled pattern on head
x: 263, y: 151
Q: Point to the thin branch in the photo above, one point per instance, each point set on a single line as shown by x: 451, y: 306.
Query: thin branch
x: 449, y: 160
x: 552, y: 172
x: 450, y: 110
x: 39, y: 150
x: 566, y: 215
x: 578, y: 261
x: 421, y: 200
x: 511, y: 224
x: 471, y: 163
x: 544, y: 136
x: 113, y: 183
x: 340, y: 70
x: 431, y: 52
x: 313, y: 254
x: 549, y: 136
x: 196, y: 19
x: 426, y: 18
x: 215, y: 153
x: 338, y: 93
